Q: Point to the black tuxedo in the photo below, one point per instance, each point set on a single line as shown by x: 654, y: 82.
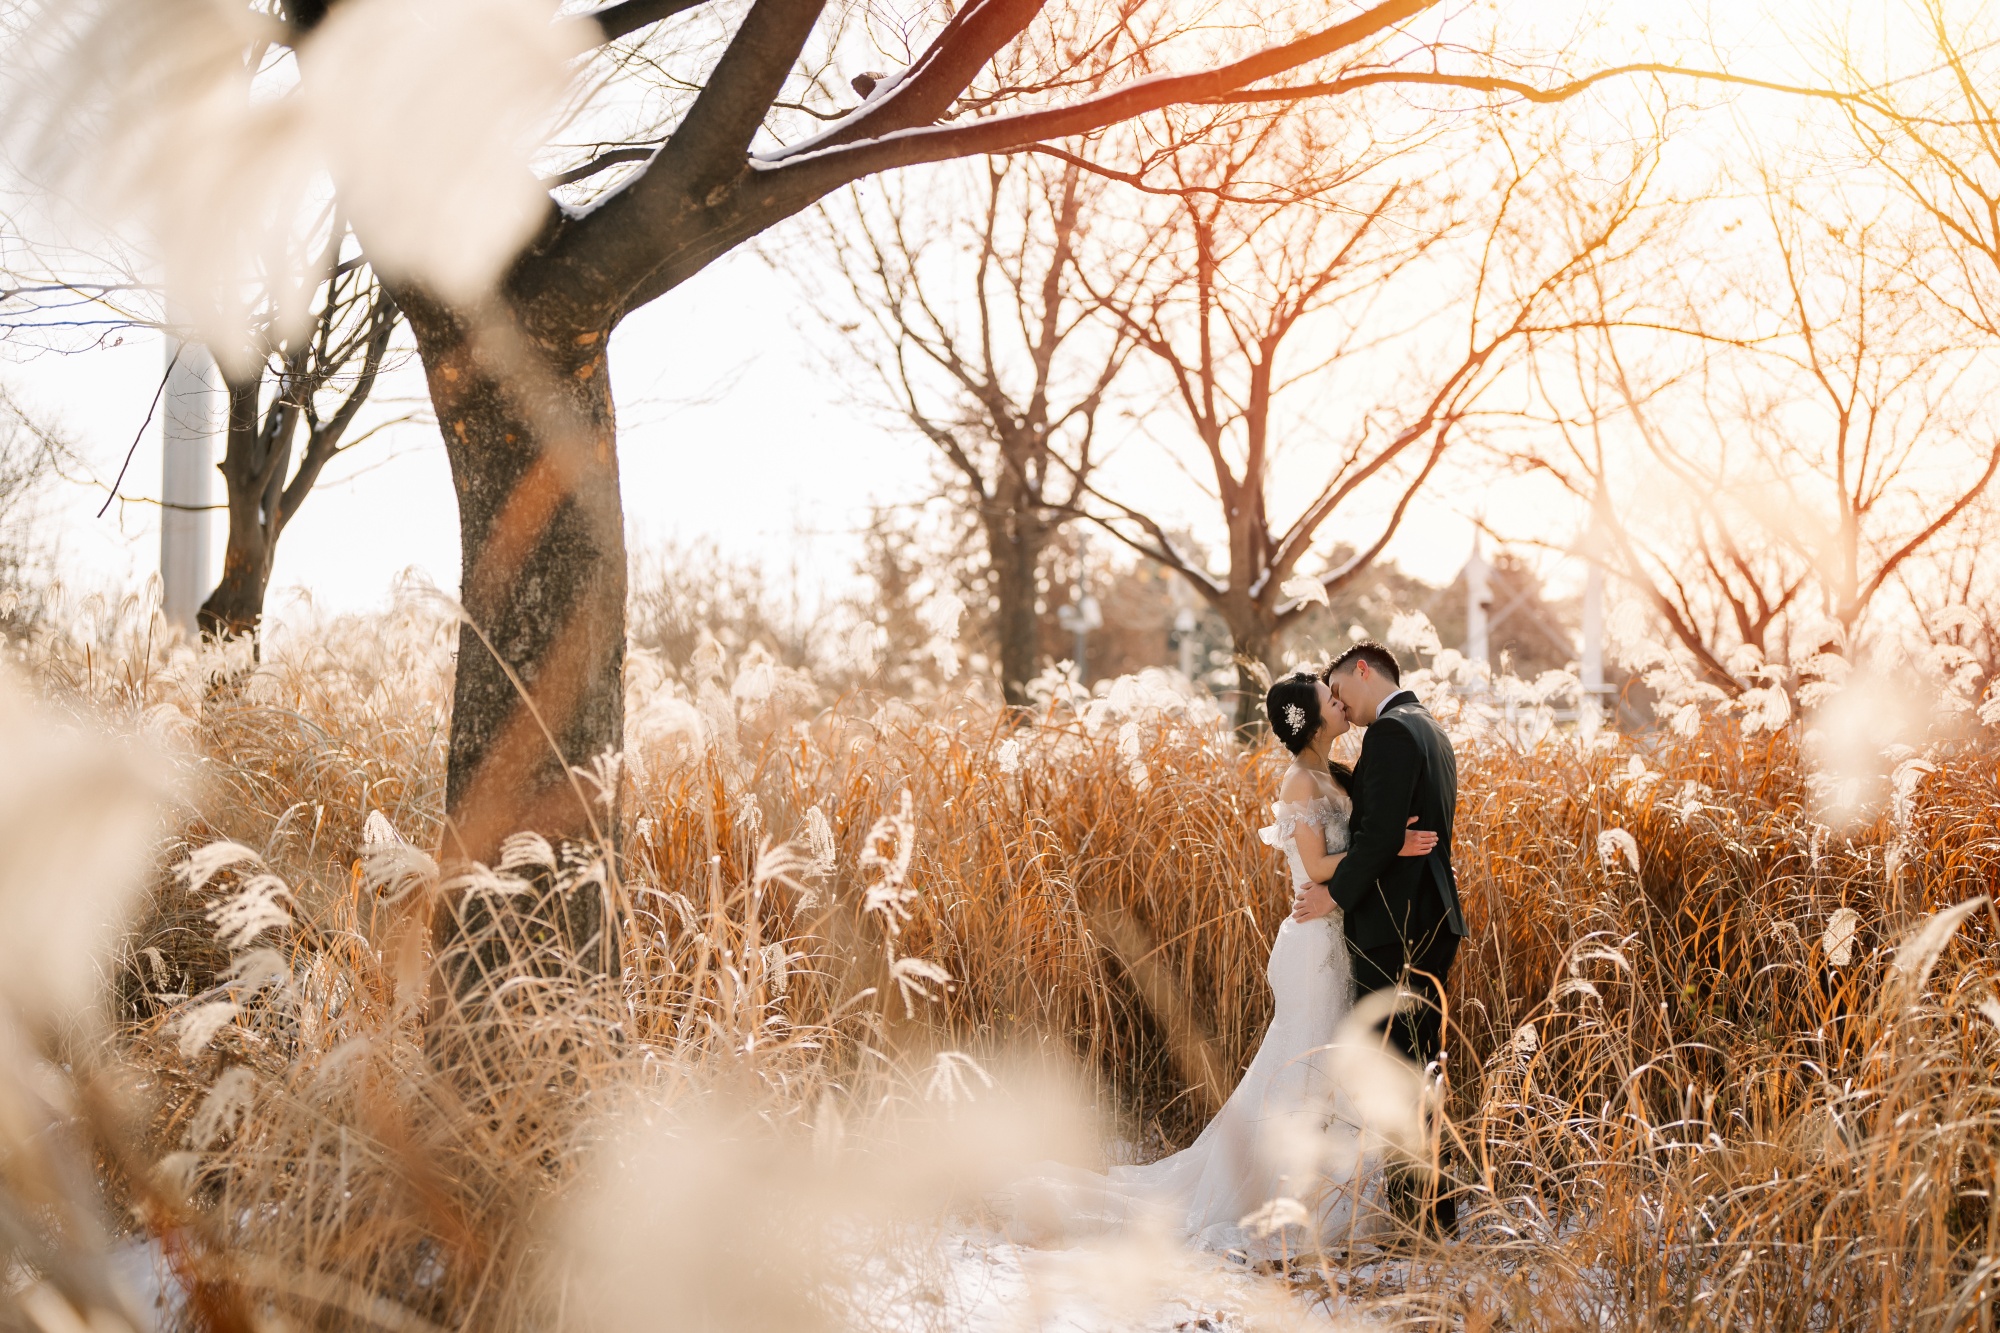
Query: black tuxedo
x: 1407, y: 768
x: 1402, y: 912
x: 1402, y: 915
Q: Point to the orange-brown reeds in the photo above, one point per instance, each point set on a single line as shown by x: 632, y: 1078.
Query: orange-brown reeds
x: 1713, y: 1063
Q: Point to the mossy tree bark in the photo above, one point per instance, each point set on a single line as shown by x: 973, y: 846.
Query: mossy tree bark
x: 236, y: 606
x: 534, y: 465
x: 1254, y: 644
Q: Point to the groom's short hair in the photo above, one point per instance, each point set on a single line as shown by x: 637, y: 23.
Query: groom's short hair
x: 1374, y: 654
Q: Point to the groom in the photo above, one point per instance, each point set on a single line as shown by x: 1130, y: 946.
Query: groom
x: 1402, y: 915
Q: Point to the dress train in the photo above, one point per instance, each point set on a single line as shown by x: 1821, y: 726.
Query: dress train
x: 1286, y: 1165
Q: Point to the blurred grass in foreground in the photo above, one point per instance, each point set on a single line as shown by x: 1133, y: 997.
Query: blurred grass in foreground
x: 1714, y: 1063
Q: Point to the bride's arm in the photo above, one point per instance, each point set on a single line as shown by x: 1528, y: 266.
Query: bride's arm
x: 1298, y: 789
x: 1313, y: 854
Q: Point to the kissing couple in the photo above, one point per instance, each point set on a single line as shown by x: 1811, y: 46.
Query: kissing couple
x: 1295, y: 1161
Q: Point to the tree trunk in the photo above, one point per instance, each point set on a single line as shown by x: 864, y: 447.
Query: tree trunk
x: 528, y: 427
x: 236, y: 606
x: 1253, y: 642
x: 1015, y: 542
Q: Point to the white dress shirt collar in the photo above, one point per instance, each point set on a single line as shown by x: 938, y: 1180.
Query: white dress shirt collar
x: 1395, y: 700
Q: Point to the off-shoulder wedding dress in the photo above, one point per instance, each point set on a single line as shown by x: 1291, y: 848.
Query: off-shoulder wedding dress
x: 1284, y: 1167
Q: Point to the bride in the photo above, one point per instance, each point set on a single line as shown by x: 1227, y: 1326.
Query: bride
x: 1286, y: 1165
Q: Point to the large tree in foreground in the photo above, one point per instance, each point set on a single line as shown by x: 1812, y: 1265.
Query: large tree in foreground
x: 521, y: 386
x: 749, y: 130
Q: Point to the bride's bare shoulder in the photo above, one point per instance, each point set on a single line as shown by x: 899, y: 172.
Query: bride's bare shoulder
x: 1298, y: 786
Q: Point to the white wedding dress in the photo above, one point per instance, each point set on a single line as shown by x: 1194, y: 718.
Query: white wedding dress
x: 1284, y: 1168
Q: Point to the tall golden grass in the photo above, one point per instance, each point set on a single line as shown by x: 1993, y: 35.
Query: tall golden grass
x: 1713, y: 1063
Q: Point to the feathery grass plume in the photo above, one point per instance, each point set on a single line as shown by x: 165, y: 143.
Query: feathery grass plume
x: 1684, y: 1088
x: 1838, y: 940
x: 1614, y: 843
x: 1305, y: 589
x: 940, y: 614
x: 1413, y: 632
x: 195, y: 120
x: 820, y: 843
x: 79, y: 816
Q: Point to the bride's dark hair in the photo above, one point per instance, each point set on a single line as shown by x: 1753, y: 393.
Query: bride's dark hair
x: 1292, y: 707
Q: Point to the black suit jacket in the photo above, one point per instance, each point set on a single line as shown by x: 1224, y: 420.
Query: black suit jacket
x: 1406, y: 768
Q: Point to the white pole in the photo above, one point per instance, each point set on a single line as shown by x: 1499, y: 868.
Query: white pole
x: 1478, y: 596
x: 1593, y: 630
x: 190, y: 415
x: 1185, y: 625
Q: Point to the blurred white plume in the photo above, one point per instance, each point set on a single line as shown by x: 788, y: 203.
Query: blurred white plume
x: 1413, y: 632
x: 78, y: 816
x: 236, y: 153
x: 1305, y: 589
x: 1616, y: 843
x: 1838, y: 939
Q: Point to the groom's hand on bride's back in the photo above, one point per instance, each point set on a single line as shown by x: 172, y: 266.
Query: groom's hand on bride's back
x: 1311, y: 903
x: 1418, y: 841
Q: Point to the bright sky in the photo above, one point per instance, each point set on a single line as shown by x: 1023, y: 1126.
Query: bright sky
x: 728, y: 431
x: 731, y: 429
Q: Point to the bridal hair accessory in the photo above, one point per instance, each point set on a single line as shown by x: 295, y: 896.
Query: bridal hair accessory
x: 1295, y: 717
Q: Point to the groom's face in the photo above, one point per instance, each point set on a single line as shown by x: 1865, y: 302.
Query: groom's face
x: 1340, y: 682
x: 1350, y: 686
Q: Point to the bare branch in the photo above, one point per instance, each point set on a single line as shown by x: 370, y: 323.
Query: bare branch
x: 622, y: 18
x: 710, y: 143
x: 602, y: 162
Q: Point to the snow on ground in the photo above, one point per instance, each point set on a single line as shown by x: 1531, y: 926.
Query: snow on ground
x: 979, y: 1282
x: 1131, y: 1285
x: 153, y: 1291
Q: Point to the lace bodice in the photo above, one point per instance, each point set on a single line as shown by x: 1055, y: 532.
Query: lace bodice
x: 1328, y: 814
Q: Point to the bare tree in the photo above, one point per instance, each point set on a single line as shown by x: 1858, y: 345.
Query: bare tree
x: 1691, y: 550
x: 1676, y: 523
x: 285, y: 423
x: 1810, y: 454
x: 1889, y: 384
x: 1332, y: 264
x: 981, y: 338
x: 289, y: 413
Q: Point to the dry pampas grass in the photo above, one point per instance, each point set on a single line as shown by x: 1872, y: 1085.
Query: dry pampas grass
x: 1715, y: 1062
